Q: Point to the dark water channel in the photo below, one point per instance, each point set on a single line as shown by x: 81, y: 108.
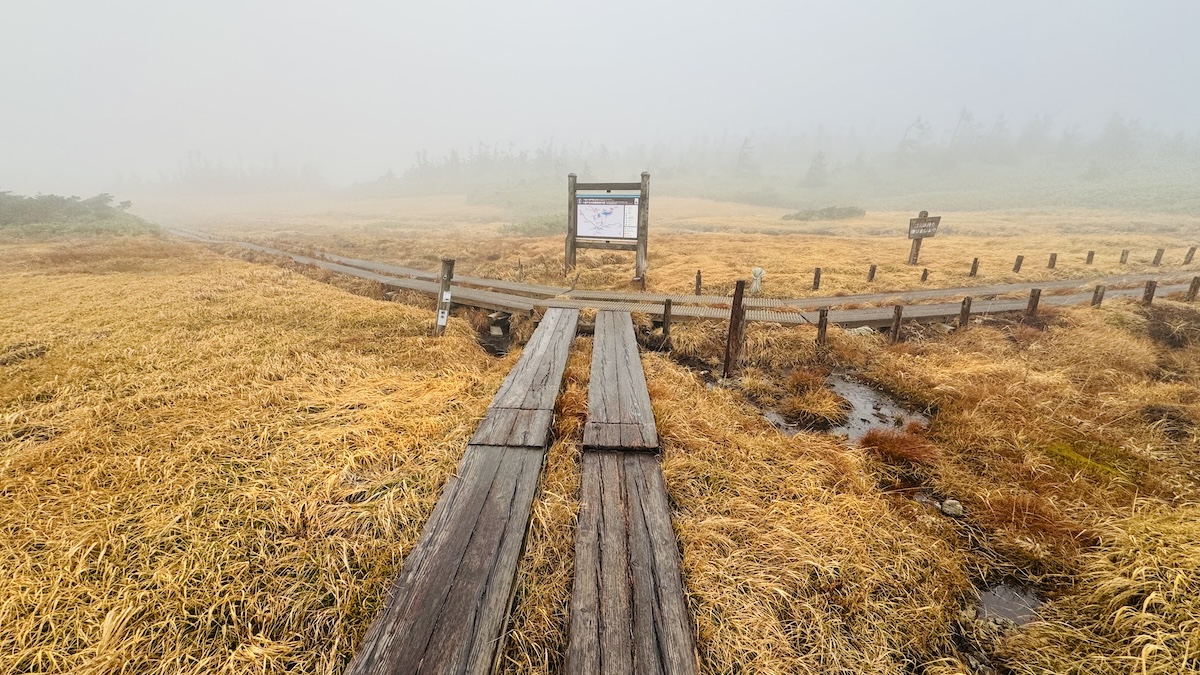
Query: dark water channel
x: 869, y: 408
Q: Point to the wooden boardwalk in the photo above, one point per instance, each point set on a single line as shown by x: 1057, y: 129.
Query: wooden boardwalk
x: 448, y: 610
x: 628, y: 610
x: 787, y: 312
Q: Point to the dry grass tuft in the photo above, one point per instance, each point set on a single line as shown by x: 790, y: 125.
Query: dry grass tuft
x: 815, y: 409
x: 899, y: 447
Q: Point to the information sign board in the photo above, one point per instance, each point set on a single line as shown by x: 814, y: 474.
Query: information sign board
x: 607, y: 216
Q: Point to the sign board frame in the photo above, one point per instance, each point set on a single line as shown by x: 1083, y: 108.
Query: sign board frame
x: 628, y: 194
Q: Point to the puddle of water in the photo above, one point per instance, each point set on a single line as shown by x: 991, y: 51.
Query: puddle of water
x: 870, y: 408
x: 780, y: 422
x: 1009, y: 601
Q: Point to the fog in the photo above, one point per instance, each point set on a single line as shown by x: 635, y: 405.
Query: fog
x: 128, y: 95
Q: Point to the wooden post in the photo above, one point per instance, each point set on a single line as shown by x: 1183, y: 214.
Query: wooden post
x: 817, y: 279
x: 667, y: 323
x: 698, y: 286
x: 572, y: 224
x: 925, y: 275
x: 1148, y: 295
x: 1091, y: 258
x: 1098, y: 296
x: 1018, y: 263
x: 737, y: 319
x: 1158, y: 255
x: 1124, y: 256
x: 822, y: 326
x: 1053, y: 261
x: 915, y: 252
x: 1187, y: 259
x: 642, y: 281
x: 964, y: 314
x: 1193, y: 290
x: 1035, y: 296
x: 897, y: 315
x: 974, y: 268
x: 643, y: 228
x: 871, y: 274
x: 443, y: 299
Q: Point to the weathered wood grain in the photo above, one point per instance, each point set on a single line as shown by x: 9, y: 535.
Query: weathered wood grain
x: 628, y: 610
x: 619, y: 412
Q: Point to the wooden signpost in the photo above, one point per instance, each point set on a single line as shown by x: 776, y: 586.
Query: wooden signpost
x: 608, y: 216
x: 918, y: 228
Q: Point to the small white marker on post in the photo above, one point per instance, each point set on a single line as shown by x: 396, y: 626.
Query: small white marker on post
x: 443, y: 310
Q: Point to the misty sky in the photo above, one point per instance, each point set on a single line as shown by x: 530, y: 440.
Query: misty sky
x: 92, y: 90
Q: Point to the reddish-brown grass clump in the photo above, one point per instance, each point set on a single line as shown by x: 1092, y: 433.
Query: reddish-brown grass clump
x: 899, y: 447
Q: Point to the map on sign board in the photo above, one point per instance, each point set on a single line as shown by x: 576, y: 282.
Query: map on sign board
x: 607, y: 216
x: 919, y: 228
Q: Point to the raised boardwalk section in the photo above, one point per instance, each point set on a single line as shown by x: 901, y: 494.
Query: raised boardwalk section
x: 619, y: 414
x: 448, y: 610
x: 628, y: 610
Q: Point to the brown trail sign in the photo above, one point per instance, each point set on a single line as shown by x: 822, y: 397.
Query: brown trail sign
x: 918, y: 228
x: 604, y: 220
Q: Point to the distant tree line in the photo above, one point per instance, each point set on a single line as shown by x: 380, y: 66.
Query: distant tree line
x: 23, y: 210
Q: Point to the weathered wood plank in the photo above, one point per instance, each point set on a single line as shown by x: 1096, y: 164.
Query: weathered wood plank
x: 628, y: 611
x: 619, y: 410
x: 672, y: 620
x: 534, y: 370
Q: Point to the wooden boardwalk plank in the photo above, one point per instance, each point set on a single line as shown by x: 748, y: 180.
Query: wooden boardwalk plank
x: 447, y: 611
x: 628, y: 610
x: 619, y: 412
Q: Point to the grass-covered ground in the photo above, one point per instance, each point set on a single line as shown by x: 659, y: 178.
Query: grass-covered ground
x: 211, y: 465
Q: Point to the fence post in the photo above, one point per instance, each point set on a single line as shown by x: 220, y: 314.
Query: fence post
x: 1158, y: 255
x: 1098, y: 296
x: 1091, y: 258
x: 1053, y: 261
x: 1148, y: 295
x: 443, y: 300
x: 974, y: 268
x: 1193, y: 290
x: 817, y: 279
x: 897, y: 316
x: 666, y: 324
x: 1017, y: 264
x: 1124, y: 256
x: 871, y: 274
x: 698, y: 286
x: 964, y: 315
x: 822, y: 326
x: 1035, y: 296
x: 1187, y: 259
x: 737, y: 320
